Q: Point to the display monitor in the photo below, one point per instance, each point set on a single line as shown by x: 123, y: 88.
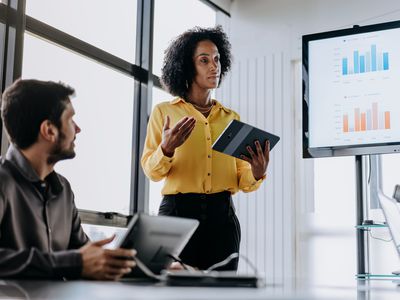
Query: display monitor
x: 351, y: 91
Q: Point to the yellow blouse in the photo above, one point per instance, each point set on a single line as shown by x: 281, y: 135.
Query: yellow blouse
x: 195, y: 167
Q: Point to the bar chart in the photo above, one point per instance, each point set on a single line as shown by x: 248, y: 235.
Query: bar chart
x: 372, y: 60
x: 367, y: 120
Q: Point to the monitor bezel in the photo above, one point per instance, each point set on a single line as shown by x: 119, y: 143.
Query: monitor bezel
x: 348, y: 150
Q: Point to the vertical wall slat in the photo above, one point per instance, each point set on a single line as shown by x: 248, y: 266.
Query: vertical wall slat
x: 269, y: 186
x: 251, y: 198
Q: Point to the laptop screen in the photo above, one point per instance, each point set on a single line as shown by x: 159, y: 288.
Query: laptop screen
x: 391, y: 211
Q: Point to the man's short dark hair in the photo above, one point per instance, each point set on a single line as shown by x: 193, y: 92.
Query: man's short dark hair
x: 178, y: 70
x: 27, y: 103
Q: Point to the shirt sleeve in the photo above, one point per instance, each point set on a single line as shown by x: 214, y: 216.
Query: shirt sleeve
x: 32, y: 263
x: 78, y: 237
x: 154, y: 163
x: 247, y: 182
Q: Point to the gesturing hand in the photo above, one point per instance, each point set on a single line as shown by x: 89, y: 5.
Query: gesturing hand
x: 105, y: 264
x: 259, y: 162
x: 174, y: 137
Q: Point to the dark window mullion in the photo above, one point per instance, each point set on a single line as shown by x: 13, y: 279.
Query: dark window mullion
x: 72, y: 43
x: 13, y: 48
x: 144, y: 58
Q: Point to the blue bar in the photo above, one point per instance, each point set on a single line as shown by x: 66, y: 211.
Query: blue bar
x: 368, y: 62
x: 362, y: 64
x: 373, y: 58
x: 356, y: 63
x: 385, y: 60
x: 344, y: 66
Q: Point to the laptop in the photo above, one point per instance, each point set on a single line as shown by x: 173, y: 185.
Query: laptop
x: 391, y: 211
x: 157, y: 239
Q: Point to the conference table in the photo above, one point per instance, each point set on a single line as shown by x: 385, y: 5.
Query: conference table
x: 84, y: 289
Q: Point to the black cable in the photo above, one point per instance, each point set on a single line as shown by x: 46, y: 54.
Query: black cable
x: 177, y: 259
x: 369, y: 171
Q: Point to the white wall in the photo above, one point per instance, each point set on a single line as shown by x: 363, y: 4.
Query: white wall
x: 268, y: 26
x: 266, y: 43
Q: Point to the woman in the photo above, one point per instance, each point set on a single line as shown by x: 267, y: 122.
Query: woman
x: 199, y: 182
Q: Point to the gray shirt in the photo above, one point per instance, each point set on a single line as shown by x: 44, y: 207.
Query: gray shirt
x: 40, y: 229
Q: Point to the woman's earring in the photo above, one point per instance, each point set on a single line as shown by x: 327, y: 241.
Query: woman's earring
x: 187, y: 85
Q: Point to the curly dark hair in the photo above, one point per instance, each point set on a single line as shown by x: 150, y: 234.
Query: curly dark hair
x: 178, y: 70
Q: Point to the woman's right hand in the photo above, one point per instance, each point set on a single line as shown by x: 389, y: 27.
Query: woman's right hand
x: 174, y: 137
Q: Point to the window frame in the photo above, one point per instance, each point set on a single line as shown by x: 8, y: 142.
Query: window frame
x: 14, y: 18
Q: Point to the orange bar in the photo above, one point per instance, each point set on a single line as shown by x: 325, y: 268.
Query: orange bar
x: 387, y: 119
x: 357, y: 119
x: 345, y: 123
x: 363, y: 122
x: 375, y: 115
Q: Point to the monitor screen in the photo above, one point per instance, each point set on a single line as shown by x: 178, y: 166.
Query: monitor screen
x: 351, y: 91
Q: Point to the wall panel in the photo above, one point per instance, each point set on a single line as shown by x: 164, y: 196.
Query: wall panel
x: 258, y: 90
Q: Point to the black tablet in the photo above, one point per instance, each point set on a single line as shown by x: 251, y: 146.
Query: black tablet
x: 238, y: 135
x: 156, y: 239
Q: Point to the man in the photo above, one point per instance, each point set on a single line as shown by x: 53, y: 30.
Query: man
x: 40, y: 230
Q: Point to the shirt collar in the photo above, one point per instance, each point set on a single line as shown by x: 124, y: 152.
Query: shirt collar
x: 15, y: 157
x: 217, y: 104
x: 177, y: 100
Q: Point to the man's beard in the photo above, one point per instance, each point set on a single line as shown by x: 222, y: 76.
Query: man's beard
x: 58, y: 153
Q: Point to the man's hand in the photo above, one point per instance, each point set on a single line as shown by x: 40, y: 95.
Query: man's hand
x: 106, y: 264
x: 174, y: 137
x: 259, y: 162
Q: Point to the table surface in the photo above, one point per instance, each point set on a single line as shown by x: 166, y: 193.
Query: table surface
x: 82, y: 289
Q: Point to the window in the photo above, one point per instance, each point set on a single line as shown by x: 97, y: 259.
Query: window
x: 155, y: 196
x: 185, y: 14
x: 331, y: 224
x: 100, y: 173
x: 390, y: 172
x: 110, y: 26
x: 383, y: 255
x: 91, y: 46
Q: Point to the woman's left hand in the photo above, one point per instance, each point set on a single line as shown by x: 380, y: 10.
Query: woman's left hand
x: 258, y: 161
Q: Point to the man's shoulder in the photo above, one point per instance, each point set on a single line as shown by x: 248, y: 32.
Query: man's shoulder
x: 63, y: 181
x: 8, y: 177
x: 5, y: 169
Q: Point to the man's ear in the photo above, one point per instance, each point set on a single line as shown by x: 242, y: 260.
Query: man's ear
x: 48, y: 131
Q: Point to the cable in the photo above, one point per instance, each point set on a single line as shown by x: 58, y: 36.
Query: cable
x: 177, y: 259
x: 369, y: 169
x: 217, y: 265
x: 379, y: 239
x: 146, y: 270
x: 228, y: 259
